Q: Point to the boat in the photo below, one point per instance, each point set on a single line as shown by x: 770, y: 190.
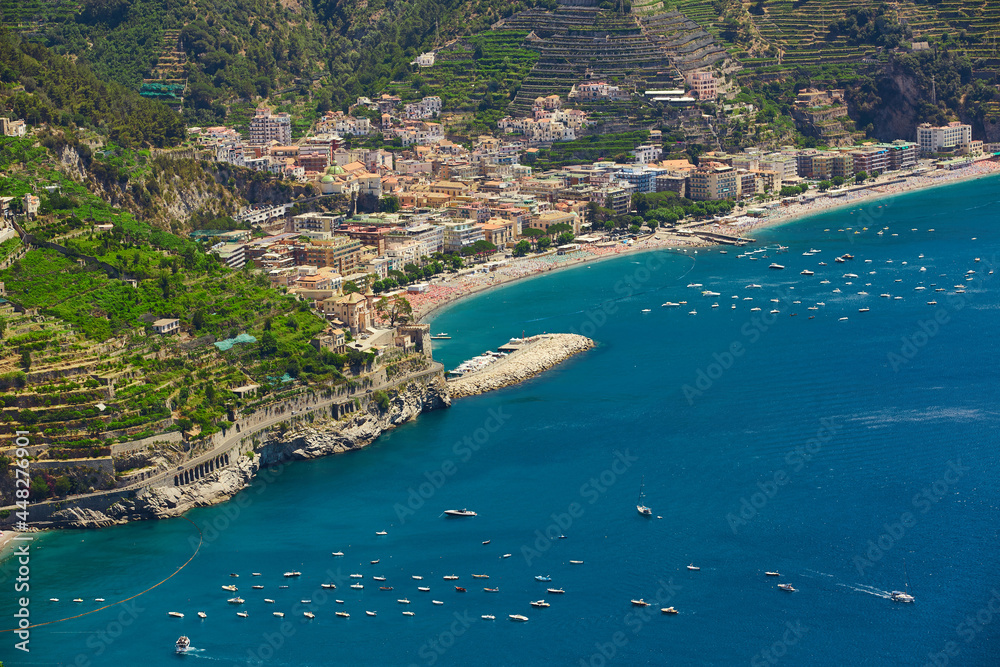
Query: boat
x: 339, y: 601
x: 230, y: 588
x: 385, y: 588
x: 775, y: 265
x: 640, y: 603
x: 255, y: 574
x: 646, y: 310
x: 293, y: 573
x: 183, y: 644
x: 451, y: 577
x: 357, y: 576
x: 489, y: 617
x: 695, y: 285
x: 576, y: 562
x: 257, y: 587
x: 328, y: 585
x: 279, y: 614
x: 773, y: 574
x: 517, y: 617
x: 282, y: 586
x: 692, y: 566
x: 440, y: 336
x: 242, y: 614
x: 710, y: 293
x: 175, y: 614
x: 486, y: 541
x: 416, y: 576
x: 692, y: 312
x: 370, y: 613
x: 555, y: 591
x: 668, y: 610
x: 753, y: 286
x: 424, y: 589
x: 670, y: 304
x: 506, y: 556
x: 337, y: 553
x: 464, y: 512
x: 381, y: 532
x: 269, y: 600
x: 408, y: 613
x: 755, y: 310
x: 932, y: 303
x: 863, y: 310
x: 233, y: 574
x: 236, y: 600
x: 903, y: 596
x: 839, y: 260
x: 787, y: 587
x: 774, y: 311
x: 379, y: 578
x: 77, y: 599
x: 342, y: 614
x: 202, y: 614
x: 540, y: 604
x: 806, y: 272
x: 543, y: 577
x: 459, y: 589
x: 489, y: 590
x: 309, y: 614
x: 357, y: 586
x: 438, y: 602
x: 403, y: 601
x: 375, y: 562
x: 480, y: 576
x: 639, y: 507
x: 53, y: 599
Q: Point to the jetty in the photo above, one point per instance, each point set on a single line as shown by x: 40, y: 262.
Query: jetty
x: 527, y: 357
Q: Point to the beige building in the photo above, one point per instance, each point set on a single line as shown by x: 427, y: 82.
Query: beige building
x: 713, y: 180
x: 546, y: 220
x: 351, y: 309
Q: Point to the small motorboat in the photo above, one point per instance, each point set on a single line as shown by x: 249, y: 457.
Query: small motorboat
x: 459, y: 589
x: 669, y: 304
x: 408, y: 613
x: 424, y: 589
x: 337, y: 553
x: 486, y: 541
x: 370, y: 613
x: 279, y: 614
x: 379, y: 578
x: 331, y: 586
x: 492, y: 590
x: 403, y: 601
x: 375, y: 562
x: 257, y: 587
x: 668, y: 610
x: 183, y: 644
x: 540, y: 604
x: 775, y: 265
x: 233, y: 574
x: 416, y: 576
x: 506, y: 556
x: 357, y: 586
x: 489, y: 617
x: 773, y: 574
x: 440, y: 336
x: 202, y: 614
x: 309, y: 614
x: 53, y: 599
x: 255, y: 574
x: 554, y: 591
x: 175, y: 614
x: 98, y: 599
x: 640, y: 603
x: 480, y: 576
x: 339, y: 601
x: 357, y: 576
x: 900, y: 596
x: 236, y: 600
x: 381, y: 532
x: 268, y: 600
x: 543, y: 577
x: 293, y: 573
x: 576, y: 562
x: 461, y: 512
x: 787, y: 587
x: 242, y: 614
x: 517, y: 617
x: 385, y: 588
x: 77, y: 599
x: 806, y: 272
x: 230, y: 588
x: 342, y: 614
x: 692, y: 566
x: 646, y: 310
x: 451, y: 577
x: 438, y: 602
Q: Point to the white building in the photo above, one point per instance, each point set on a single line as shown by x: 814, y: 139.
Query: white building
x: 265, y: 127
x: 426, y: 59
x: 647, y: 153
x: 938, y: 139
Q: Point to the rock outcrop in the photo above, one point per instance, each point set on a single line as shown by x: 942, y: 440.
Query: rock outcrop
x: 546, y: 352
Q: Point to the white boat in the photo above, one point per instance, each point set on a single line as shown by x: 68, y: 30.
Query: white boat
x: 668, y: 610
x: 506, y: 556
x: 775, y: 265
x: 480, y: 576
x: 379, y: 578
x: 328, y: 585
x: 773, y: 574
x: 576, y: 562
x: 640, y: 603
x: 357, y: 576
x: 639, y: 507
x: 242, y: 614
x: 375, y: 562
x: 754, y: 310
x: 53, y: 599
x: 440, y: 336
x: 98, y: 599
x: 403, y: 601
x: 438, y: 602
x: 183, y: 644
x: 424, y: 589
x: 517, y: 617
x: 465, y: 512
x: 279, y: 614
x: 753, y: 286
x: 268, y: 600
x: 775, y: 311
x: 693, y: 312
x: 646, y: 310
x: 342, y: 614
x: 337, y: 553
x: 77, y: 599
x: 416, y: 576
x: 175, y: 614
x: 692, y: 566
x: 236, y: 600
x: 357, y: 586
x: 255, y: 574
x: 543, y: 577
x: 710, y: 293
x: 202, y: 614
x: 695, y: 285
x: 540, y: 604
x: 862, y: 310
x: 451, y: 577
x: 787, y: 587
x: 670, y: 304
x: 555, y: 591
x: 408, y: 613
x: 806, y: 272
x: 293, y: 573
x: 488, y: 617
x: 381, y: 532
x: 257, y: 587
x: 309, y: 614
x: 370, y: 613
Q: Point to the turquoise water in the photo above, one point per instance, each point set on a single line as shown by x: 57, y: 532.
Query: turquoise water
x: 828, y: 450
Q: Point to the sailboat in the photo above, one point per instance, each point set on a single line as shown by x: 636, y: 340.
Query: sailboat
x: 642, y: 509
x: 903, y: 596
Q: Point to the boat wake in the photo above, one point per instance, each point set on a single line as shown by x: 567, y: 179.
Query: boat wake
x: 869, y: 590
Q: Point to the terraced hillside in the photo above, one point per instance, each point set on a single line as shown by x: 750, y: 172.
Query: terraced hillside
x: 689, y: 45
x: 576, y: 43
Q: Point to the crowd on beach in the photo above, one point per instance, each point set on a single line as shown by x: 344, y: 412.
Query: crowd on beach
x: 453, y: 288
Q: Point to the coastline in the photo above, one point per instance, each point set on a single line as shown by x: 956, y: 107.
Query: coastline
x: 451, y: 292
x: 7, y: 543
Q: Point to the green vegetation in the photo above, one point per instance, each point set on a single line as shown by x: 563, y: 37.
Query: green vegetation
x: 589, y: 149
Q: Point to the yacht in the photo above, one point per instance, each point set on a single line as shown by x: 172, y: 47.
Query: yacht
x: 710, y: 293
x: 424, y: 589
x: 806, y: 272
x: 408, y: 613
x: 342, y: 614
x: 438, y: 602
x: 773, y: 574
x: 670, y: 304
x: 461, y: 512
x: 775, y: 265
x: 236, y: 600
x: 309, y: 614
x: 183, y: 644
x: 293, y: 573
x: 357, y: 586
x: 357, y: 576
x: 555, y: 591
x: 642, y: 509
x: 668, y: 610
x: 337, y: 553
x: 379, y: 578
x: 900, y: 596
x: 230, y: 588
x: 787, y: 587
x: 517, y: 617
x: 381, y: 532
x: 540, y: 604
x: 640, y: 603
x: 242, y: 614
x: 403, y: 601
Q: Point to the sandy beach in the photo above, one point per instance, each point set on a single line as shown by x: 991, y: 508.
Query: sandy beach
x: 7, y: 543
x: 453, y: 288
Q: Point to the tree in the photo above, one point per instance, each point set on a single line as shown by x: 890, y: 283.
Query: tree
x: 522, y: 248
x: 198, y: 320
x: 564, y: 238
x: 268, y: 344
x: 390, y: 203
x: 875, y: 173
x: 838, y: 181
x: 396, y: 309
x: 824, y: 185
x: 26, y: 360
x: 350, y: 287
x: 544, y: 242
x: 861, y: 177
x: 483, y: 248
x: 3, y: 326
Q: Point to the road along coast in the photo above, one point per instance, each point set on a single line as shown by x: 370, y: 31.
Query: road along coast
x: 541, y: 353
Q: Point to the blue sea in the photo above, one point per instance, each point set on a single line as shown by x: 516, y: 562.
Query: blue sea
x: 854, y: 456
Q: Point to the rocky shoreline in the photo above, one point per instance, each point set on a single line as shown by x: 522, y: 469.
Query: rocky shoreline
x: 321, y: 437
x: 546, y: 352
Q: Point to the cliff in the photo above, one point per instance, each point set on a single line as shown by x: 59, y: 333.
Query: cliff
x: 321, y: 437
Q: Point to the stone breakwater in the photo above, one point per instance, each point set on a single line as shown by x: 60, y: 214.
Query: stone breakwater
x: 546, y: 352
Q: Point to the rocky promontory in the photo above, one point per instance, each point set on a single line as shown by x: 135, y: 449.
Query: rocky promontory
x: 540, y: 354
